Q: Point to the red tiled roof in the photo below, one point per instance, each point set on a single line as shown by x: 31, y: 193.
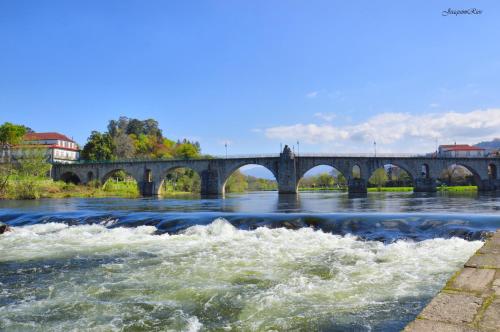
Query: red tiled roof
x: 460, y: 147
x: 46, y: 136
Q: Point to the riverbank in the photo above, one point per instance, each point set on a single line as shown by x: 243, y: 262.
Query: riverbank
x: 35, y: 189
x: 470, y: 300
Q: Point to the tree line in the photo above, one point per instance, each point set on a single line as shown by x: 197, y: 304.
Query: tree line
x: 129, y: 138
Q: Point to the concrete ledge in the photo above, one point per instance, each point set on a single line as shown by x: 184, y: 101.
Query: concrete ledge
x: 470, y: 301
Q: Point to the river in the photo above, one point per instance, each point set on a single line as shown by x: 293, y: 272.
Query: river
x: 248, y: 262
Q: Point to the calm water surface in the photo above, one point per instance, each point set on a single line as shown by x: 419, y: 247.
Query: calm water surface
x: 249, y: 262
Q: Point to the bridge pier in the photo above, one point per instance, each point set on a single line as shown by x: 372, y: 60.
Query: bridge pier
x: 287, y: 172
x: 210, y: 183
x: 357, y: 186
x: 488, y: 185
x: 425, y: 185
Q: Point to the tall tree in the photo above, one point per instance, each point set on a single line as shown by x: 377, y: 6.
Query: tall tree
x: 98, y: 147
x: 11, y: 133
x: 123, y: 146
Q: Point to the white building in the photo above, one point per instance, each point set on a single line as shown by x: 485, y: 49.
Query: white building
x: 58, y: 147
x: 460, y: 150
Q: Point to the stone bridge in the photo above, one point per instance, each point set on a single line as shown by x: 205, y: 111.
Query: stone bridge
x: 287, y: 168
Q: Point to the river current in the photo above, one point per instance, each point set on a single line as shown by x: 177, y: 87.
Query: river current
x: 249, y: 262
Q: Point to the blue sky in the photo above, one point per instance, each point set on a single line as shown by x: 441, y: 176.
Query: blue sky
x: 335, y: 75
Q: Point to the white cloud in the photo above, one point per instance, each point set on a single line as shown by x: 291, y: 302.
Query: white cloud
x: 325, y: 116
x: 398, y: 131
x: 312, y: 94
x: 433, y: 105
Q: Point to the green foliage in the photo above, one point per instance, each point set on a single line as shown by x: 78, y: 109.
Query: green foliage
x: 128, y: 138
x: 182, y: 180
x: 379, y: 178
x: 11, y: 133
x: 33, y: 164
x: 23, y: 180
x: 258, y: 184
x: 98, y: 147
x: 186, y: 150
x: 237, y: 182
x: 323, y: 181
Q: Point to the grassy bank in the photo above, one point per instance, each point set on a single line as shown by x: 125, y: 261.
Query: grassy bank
x: 322, y: 189
x: 390, y: 189
x: 46, y: 188
x: 457, y: 188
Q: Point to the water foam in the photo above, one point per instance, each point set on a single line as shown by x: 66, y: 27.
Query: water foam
x: 217, y: 277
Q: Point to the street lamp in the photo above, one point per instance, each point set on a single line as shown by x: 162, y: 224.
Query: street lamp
x: 298, y: 145
x: 225, y: 145
x: 375, y: 148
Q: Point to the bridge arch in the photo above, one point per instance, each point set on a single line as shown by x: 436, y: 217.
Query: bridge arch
x: 303, y: 174
x: 234, y: 168
x: 115, y: 172
x: 70, y: 177
x: 392, y: 174
x: 168, y: 177
x: 356, y: 172
x: 476, y: 178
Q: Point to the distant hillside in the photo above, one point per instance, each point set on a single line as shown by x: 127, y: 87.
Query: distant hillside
x: 490, y: 145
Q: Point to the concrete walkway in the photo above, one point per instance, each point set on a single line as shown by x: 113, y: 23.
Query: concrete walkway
x: 470, y: 300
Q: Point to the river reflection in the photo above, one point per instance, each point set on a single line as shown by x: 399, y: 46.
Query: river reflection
x: 270, y: 202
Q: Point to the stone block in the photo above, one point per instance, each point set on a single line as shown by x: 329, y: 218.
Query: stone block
x: 491, y: 317
x: 484, y: 261
x: 471, y: 279
x: 422, y: 325
x: 452, y: 308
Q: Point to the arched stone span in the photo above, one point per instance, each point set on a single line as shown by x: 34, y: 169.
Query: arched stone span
x: 164, y: 173
x: 475, y: 174
x: 225, y: 177
x: 304, y: 171
x: 109, y: 174
x: 70, y: 177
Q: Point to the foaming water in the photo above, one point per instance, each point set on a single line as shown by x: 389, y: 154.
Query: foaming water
x: 253, y: 262
x: 216, y: 277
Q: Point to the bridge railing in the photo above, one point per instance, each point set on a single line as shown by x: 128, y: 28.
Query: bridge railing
x: 275, y: 155
x: 372, y: 155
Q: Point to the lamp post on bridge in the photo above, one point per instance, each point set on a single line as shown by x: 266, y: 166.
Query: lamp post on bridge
x: 298, y: 146
x: 375, y: 148
x: 225, y: 145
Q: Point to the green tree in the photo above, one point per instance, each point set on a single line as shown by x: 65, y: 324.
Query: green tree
x: 378, y: 178
x: 11, y: 133
x: 237, y: 182
x: 186, y: 151
x: 98, y: 147
x: 325, y: 180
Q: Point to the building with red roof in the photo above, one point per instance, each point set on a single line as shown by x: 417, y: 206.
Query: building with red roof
x: 461, y: 150
x: 59, y: 148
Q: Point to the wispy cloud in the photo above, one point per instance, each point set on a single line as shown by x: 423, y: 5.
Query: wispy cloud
x: 312, y: 94
x: 433, y: 105
x: 400, y: 131
x: 325, y: 116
